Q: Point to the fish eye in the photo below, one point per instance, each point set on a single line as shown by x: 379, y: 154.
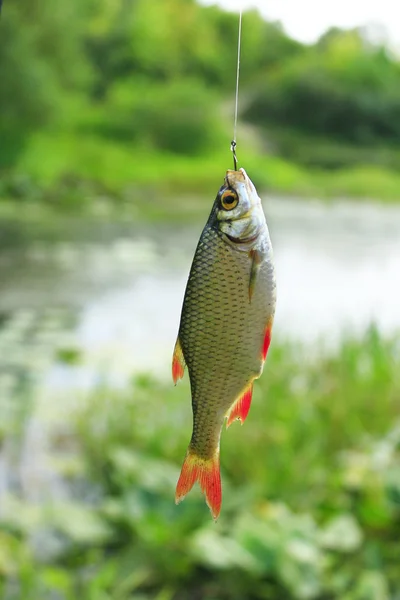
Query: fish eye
x: 229, y: 199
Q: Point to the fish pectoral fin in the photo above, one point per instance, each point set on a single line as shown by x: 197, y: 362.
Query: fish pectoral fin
x: 241, y: 406
x: 256, y: 259
x: 178, y: 362
x: 206, y: 472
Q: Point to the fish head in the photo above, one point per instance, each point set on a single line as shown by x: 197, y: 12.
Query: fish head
x: 238, y: 211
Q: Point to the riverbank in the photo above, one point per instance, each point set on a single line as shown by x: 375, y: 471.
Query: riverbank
x: 82, y: 174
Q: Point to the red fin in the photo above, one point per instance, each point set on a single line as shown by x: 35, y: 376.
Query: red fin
x: 178, y: 363
x: 241, y: 408
x: 206, y: 472
x: 267, y: 340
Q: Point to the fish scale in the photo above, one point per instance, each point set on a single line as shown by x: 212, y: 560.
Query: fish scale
x: 222, y: 332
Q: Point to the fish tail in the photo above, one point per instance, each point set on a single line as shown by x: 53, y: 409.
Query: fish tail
x: 206, y: 472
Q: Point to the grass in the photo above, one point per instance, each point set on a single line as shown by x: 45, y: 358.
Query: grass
x: 311, y: 493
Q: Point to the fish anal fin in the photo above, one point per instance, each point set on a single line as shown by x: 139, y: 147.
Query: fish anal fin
x: 267, y: 340
x: 241, y: 407
x: 178, y: 363
x: 206, y: 472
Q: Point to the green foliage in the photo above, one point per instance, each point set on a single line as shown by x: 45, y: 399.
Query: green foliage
x: 311, y: 504
x: 181, y: 119
x: 341, y: 88
x: 178, y: 116
x: 155, y: 79
x: 314, y: 151
x: 39, y: 59
x: 164, y: 40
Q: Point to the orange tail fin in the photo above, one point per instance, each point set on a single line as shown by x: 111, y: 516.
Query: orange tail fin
x: 206, y: 472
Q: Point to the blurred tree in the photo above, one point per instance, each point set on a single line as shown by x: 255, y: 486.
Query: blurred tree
x: 100, y: 66
x: 342, y: 87
x: 166, y: 39
x: 40, y: 59
x: 116, y: 68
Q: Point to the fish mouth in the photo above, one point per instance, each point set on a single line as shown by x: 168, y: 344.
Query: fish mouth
x: 233, y: 177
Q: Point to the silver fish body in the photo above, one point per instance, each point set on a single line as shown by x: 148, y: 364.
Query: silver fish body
x: 225, y: 326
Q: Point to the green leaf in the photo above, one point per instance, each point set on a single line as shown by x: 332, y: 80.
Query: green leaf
x: 80, y: 523
x: 221, y: 552
x: 342, y: 533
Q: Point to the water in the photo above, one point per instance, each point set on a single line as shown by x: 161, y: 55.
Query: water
x: 110, y: 294
x: 338, y: 268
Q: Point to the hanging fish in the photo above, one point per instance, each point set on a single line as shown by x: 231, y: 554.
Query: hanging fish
x: 225, y: 327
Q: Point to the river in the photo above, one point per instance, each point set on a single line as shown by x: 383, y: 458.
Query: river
x: 117, y: 287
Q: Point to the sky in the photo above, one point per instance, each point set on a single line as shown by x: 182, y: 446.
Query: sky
x: 306, y: 20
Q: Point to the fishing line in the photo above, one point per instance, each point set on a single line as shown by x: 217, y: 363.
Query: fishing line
x: 233, y: 142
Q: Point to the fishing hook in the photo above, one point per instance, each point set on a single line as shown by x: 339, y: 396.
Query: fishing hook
x: 233, y: 150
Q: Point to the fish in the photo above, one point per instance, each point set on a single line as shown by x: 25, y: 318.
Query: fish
x: 225, y: 327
